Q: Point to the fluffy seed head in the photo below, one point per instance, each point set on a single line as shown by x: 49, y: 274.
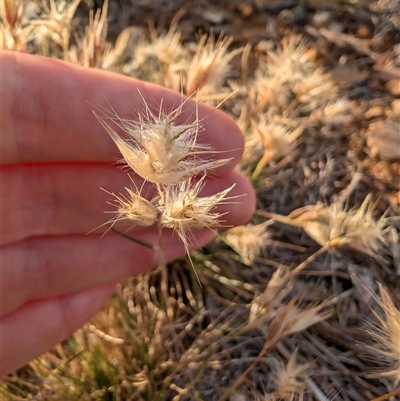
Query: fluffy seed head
x: 356, y: 228
x: 335, y: 113
x: 289, y: 379
x: 385, y: 334
x: 11, y: 12
x: 248, y: 240
x: 291, y: 319
x: 160, y: 149
x: 135, y: 209
x: 209, y: 65
x: 292, y: 73
x: 277, y: 139
x: 185, y: 210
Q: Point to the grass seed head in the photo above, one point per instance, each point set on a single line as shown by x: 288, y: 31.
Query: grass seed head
x: 335, y: 113
x: 11, y: 13
x: 385, y: 334
x: 336, y: 226
x: 292, y: 60
x: 291, y: 319
x: 135, y: 209
x: 151, y: 61
x: 160, y: 149
x: 92, y: 46
x: 185, y: 210
x: 289, y: 379
x: 276, y: 139
x: 291, y: 73
x: 272, y: 91
x: 248, y: 240
x: 315, y: 89
x: 209, y: 65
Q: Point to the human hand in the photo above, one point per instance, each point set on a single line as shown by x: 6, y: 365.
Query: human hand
x: 55, y: 157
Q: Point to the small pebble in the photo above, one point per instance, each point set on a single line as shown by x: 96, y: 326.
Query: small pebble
x: 393, y: 87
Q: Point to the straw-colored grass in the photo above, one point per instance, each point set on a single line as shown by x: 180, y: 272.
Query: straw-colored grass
x: 302, y: 303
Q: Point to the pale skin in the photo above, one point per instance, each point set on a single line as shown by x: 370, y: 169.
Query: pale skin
x: 55, y: 156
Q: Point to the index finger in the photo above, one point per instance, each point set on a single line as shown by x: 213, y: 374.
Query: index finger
x: 47, y: 112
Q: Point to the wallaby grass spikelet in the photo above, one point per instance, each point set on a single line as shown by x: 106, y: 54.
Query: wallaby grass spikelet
x: 14, y: 35
x: 248, y: 240
x: 277, y: 140
x: 289, y: 379
x: 336, y: 226
x: 210, y: 65
x: 184, y: 210
x: 134, y: 208
x: 159, y: 148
